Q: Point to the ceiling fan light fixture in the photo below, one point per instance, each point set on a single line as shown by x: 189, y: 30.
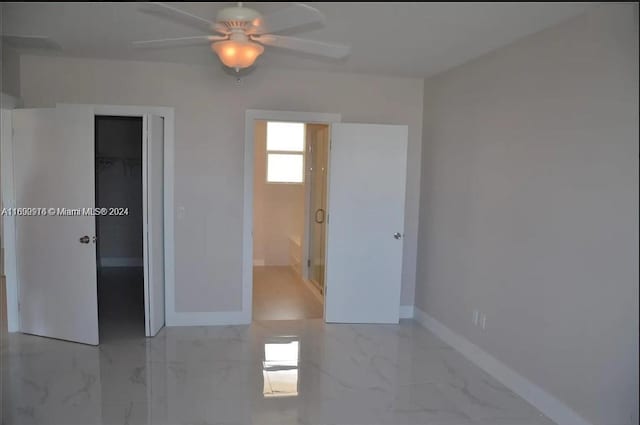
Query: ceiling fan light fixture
x: 237, y: 54
x: 244, y: 32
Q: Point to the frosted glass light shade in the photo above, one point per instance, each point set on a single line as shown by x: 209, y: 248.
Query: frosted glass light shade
x: 237, y: 54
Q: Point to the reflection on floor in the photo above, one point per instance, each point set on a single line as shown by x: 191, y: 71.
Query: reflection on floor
x: 337, y: 374
x: 280, y: 367
x: 120, y: 303
x: 278, y: 294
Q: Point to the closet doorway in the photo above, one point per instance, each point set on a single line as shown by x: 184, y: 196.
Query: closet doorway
x: 119, y: 232
x: 60, y: 159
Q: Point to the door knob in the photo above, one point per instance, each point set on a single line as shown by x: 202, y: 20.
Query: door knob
x: 85, y: 239
x: 397, y: 235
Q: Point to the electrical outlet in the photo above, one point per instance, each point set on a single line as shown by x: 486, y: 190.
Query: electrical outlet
x: 483, y: 321
x: 476, y: 314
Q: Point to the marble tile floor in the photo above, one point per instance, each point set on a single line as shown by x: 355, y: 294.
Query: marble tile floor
x: 271, y: 372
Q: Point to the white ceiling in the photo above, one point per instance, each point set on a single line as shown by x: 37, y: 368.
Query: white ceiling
x: 404, y: 39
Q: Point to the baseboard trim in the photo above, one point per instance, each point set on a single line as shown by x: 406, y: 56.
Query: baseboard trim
x: 313, y: 289
x: 207, y: 319
x: 536, y: 396
x: 406, y: 312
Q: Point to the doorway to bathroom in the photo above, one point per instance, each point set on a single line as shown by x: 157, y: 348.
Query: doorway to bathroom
x: 289, y: 219
x: 364, y: 178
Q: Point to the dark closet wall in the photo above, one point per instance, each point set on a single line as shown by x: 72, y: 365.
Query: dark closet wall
x: 119, y: 184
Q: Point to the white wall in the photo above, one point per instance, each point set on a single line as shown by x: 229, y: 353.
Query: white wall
x: 9, y: 71
x: 278, y: 209
x: 9, y: 64
x: 209, y: 114
x: 529, y: 209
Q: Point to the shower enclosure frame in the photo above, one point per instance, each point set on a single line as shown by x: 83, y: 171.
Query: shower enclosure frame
x: 314, y: 215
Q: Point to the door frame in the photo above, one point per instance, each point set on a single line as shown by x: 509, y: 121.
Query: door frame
x: 7, y: 104
x: 168, y: 116
x: 169, y: 256
x: 251, y: 116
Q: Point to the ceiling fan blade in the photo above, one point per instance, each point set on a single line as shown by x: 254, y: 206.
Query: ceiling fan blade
x: 30, y: 42
x: 292, y: 16
x: 313, y: 47
x: 178, y: 15
x: 181, y: 41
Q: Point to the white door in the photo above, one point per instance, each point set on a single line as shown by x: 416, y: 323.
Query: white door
x: 367, y: 175
x: 153, y: 205
x: 56, y: 255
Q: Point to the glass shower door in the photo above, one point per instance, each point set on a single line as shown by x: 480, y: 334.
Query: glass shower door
x: 318, y: 150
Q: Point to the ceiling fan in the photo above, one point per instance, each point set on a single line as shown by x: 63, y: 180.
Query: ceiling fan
x: 242, y: 32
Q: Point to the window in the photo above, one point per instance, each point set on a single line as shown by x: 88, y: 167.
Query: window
x: 285, y: 152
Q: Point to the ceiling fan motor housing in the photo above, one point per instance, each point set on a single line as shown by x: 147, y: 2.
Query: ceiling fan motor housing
x: 238, y: 17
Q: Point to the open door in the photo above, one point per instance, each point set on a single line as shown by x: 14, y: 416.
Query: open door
x: 153, y: 206
x: 367, y: 176
x: 55, y: 245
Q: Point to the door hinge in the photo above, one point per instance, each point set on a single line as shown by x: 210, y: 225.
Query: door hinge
x: 308, y: 263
